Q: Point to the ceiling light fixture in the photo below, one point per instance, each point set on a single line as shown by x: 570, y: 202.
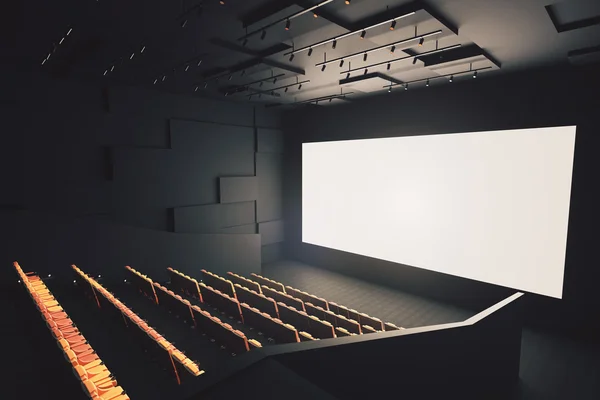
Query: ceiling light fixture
x: 334, y: 44
x: 230, y: 77
x: 199, y: 62
x: 299, y: 86
x: 406, y: 87
x: 164, y: 77
x: 451, y: 79
x: 292, y: 57
x: 389, y: 66
x: 286, y: 89
x: 366, y: 70
x: 342, y: 63
x: 274, y: 80
x: 131, y: 56
x: 205, y: 85
x: 474, y: 74
x: 222, y: 2
x: 365, y: 57
x: 310, y: 52
x: 348, y: 75
x: 427, y: 83
x: 155, y: 81
x: 142, y: 49
x: 393, y: 25
x: 414, y: 60
x: 105, y: 72
x: 187, y: 67
x: 184, y: 23
x: 287, y: 25
x: 315, y: 15
x: 245, y: 42
x: 393, y: 49
x: 263, y: 34
x: 347, y: 2
x: 196, y: 89
x: 323, y: 67
x: 363, y: 34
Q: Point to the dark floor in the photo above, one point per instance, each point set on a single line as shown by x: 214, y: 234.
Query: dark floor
x: 552, y: 367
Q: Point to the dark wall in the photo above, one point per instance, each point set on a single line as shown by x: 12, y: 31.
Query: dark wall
x: 108, y: 176
x: 541, y: 98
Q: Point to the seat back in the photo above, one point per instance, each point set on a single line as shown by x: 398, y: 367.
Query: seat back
x: 218, y: 283
x: 388, y: 326
x: 247, y: 283
x: 306, y: 337
x: 143, y: 283
x: 307, y: 297
x: 342, y: 332
x: 320, y: 329
x: 272, y: 327
x: 257, y: 300
x: 222, y: 301
x: 283, y: 298
x: 367, y: 329
x: 268, y: 282
x: 184, y: 284
x: 350, y: 325
x: 373, y: 322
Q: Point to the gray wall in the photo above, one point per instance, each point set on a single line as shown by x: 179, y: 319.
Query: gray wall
x: 542, y: 98
x: 117, y: 175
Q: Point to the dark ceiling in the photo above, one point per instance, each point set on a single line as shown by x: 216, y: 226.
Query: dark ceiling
x: 197, y: 47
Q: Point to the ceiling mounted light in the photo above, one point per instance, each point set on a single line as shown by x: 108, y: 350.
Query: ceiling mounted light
x: 105, y: 72
x: 143, y: 48
x: 243, y: 72
x: 474, y: 74
x: 389, y: 66
x: 184, y: 23
x: 315, y: 15
x: 164, y: 77
x: 390, y: 89
x: 365, y: 57
x: 414, y: 60
x: 187, y: 67
x: 132, y: 55
x: 451, y: 78
x: 196, y: 89
x: 334, y: 44
x: 348, y: 75
x: 245, y: 42
x: 292, y: 57
x: 274, y: 80
x: 363, y: 34
x: 406, y: 87
x: 393, y: 25
x: 205, y: 85
x: 286, y: 89
x: 226, y: 94
x: 421, y: 41
x: 112, y: 68
x: 230, y: 77
x: 69, y: 32
x: 427, y: 83
x: 155, y: 81
x: 366, y: 70
x: 260, y: 84
x: 199, y: 62
x: 342, y: 63
x: 262, y: 35
x: 323, y: 67
x: 347, y: 2
x: 222, y: 2
x: 310, y: 52
x: 299, y: 86
x: 393, y: 49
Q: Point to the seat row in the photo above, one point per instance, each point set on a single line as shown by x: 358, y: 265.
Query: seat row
x: 273, y: 327
x: 150, y: 340
x: 222, y: 301
x: 281, y: 297
x: 336, y: 320
x: 143, y: 283
x: 223, y: 333
x: 268, y: 282
x: 245, y: 282
x: 96, y: 380
x: 305, y: 322
x: 219, y: 283
x: 184, y: 283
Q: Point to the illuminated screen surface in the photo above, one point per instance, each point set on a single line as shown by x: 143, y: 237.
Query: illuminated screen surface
x: 490, y: 206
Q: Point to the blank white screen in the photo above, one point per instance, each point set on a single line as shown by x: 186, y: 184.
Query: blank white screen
x: 490, y: 206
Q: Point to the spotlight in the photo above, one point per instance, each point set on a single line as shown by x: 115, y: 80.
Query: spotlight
x: 196, y: 89
x: 406, y: 87
x: 299, y: 86
x: 365, y: 57
x: 61, y: 40
x: 427, y: 83
x: 222, y: 2
x: 230, y: 77
x: 199, y: 62
x: 143, y: 48
x: 125, y: 280
x: 393, y: 49
x: 226, y: 94
x: 286, y: 89
x: 389, y: 66
x: 342, y: 63
x: 272, y: 93
x: 69, y: 32
x: 474, y: 74
x: 292, y: 57
x: 74, y: 281
x: 187, y: 67
x: 184, y: 23
x: 243, y: 72
x: 44, y: 62
x: 287, y: 25
x: 315, y: 15
x: 49, y: 275
x: 390, y: 89
x: 366, y: 70
x: 99, y: 276
x: 164, y: 77
x: 274, y: 80
x: 262, y: 35
x: 112, y: 68
x: 310, y: 52
x: 334, y: 44
x: 421, y: 41
x: 347, y: 1
x: 205, y: 85
x: 323, y: 67
x: 348, y: 75
x: 414, y: 60
x: 156, y: 80
x: 363, y: 34
x: 245, y: 42
x: 393, y: 25
x: 105, y: 72
x: 260, y: 84
x: 451, y: 78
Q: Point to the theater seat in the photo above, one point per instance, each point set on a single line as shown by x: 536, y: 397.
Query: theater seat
x: 368, y: 329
